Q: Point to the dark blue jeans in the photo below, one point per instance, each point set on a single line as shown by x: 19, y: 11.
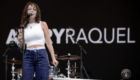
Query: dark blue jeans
x: 36, y: 61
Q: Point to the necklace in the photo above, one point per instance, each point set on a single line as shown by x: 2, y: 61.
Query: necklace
x: 32, y: 25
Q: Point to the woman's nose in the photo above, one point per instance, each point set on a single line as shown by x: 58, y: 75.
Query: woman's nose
x: 32, y: 10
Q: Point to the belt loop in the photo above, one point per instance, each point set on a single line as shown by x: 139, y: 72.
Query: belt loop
x: 35, y: 50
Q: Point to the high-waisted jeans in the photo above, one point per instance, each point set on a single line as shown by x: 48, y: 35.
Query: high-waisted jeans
x: 36, y: 61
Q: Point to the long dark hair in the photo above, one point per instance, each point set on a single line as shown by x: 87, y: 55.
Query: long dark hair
x: 25, y: 15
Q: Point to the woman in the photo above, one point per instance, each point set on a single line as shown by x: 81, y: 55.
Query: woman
x: 36, y: 33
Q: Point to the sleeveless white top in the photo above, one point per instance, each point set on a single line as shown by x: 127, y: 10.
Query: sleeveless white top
x: 34, y: 34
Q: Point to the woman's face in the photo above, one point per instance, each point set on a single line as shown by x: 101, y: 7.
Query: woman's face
x: 32, y: 9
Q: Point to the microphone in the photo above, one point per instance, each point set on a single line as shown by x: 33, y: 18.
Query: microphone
x: 30, y: 14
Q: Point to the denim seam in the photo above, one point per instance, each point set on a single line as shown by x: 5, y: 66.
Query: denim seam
x: 28, y: 61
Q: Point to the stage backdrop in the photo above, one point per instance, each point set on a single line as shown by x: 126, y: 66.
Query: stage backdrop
x: 107, y: 30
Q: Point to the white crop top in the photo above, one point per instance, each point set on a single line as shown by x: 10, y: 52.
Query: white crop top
x: 34, y: 34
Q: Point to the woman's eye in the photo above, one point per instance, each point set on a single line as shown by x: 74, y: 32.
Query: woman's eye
x: 29, y: 9
x: 35, y: 9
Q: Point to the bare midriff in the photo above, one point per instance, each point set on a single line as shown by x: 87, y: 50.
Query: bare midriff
x: 35, y: 46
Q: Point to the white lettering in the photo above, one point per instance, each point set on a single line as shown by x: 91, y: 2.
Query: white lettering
x: 70, y: 35
x: 118, y: 35
x: 82, y: 38
x: 11, y: 37
x: 100, y: 35
x: 128, y: 36
x: 105, y: 36
x: 58, y: 35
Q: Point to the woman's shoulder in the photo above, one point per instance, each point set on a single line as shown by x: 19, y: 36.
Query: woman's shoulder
x: 43, y: 24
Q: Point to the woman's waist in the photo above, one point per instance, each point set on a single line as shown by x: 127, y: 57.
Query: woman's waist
x: 34, y: 43
x: 35, y: 47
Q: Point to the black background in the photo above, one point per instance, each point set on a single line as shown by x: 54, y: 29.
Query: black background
x: 103, y: 61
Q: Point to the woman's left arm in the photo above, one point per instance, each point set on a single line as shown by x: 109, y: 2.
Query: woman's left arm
x: 48, y: 42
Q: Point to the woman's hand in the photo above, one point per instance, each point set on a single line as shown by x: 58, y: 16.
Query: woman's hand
x: 55, y: 63
x: 20, y: 37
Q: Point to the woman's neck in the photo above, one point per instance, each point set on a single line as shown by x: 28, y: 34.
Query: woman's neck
x: 31, y: 21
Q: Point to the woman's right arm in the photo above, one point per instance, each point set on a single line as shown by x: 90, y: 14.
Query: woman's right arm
x: 20, y: 39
